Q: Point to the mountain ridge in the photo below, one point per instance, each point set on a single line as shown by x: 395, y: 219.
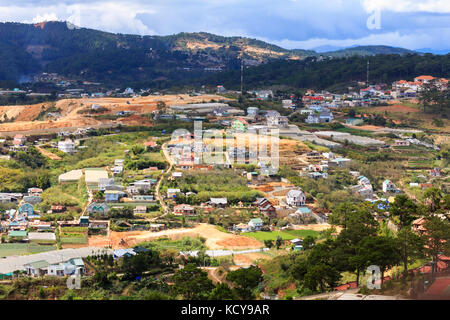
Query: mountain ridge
x: 88, y: 54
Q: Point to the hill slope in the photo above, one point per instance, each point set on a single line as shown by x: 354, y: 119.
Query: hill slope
x: 86, y: 54
x: 368, y: 51
x: 26, y: 49
x: 333, y: 74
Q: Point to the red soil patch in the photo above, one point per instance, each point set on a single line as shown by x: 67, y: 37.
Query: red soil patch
x: 239, y: 242
x: 249, y: 258
x: 397, y: 108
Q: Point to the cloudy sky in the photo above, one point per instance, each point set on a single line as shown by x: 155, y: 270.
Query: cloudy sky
x: 304, y: 24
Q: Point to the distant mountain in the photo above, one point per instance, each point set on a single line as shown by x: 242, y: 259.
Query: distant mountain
x: 116, y: 59
x: 26, y: 49
x: 253, y: 49
x: 433, y: 51
x: 368, y: 51
x: 327, y: 48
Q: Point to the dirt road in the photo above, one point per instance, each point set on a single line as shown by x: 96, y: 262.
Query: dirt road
x: 48, y: 154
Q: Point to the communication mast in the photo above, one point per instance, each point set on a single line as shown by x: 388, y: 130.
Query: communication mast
x: 368, y: 68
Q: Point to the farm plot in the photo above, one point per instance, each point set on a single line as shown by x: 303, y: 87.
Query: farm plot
x: 73, y: 235
x: 17, y: 249
x: 285, y: 235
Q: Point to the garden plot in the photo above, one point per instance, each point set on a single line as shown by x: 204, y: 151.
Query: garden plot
x: 73, y: 235
x: 18, y: 249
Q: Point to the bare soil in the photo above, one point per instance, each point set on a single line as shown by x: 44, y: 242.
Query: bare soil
x: 396, y: 108
x: 215, y: 239
x: 25, y: 115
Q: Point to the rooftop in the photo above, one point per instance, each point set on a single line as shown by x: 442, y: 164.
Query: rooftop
x: 11, y: 264
x: 42, y: 236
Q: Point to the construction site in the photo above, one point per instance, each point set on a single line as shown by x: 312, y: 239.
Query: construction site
x: 78, y: 113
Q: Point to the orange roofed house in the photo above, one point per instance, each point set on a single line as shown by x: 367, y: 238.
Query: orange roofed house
x: 19, y: 141
x: 184, y: 209
x: 424, y: 79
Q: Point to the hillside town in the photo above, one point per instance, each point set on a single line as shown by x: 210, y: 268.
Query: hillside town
x: 109, y: 190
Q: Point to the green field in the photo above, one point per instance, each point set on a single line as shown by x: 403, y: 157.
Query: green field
x: 12, y: 249
x: 73, y: 235
x: 285, y: 235
x: 73, y: 240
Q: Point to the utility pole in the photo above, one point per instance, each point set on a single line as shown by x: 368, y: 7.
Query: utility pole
x: 368, y: 68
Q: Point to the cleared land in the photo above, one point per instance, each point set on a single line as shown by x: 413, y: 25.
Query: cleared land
x: 26, y: 115
x: 215, y: 239
x: 396, y: 108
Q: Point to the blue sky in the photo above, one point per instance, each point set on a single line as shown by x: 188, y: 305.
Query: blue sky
x: 303, y: 24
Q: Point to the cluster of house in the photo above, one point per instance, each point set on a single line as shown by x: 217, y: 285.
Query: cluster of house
x: 18, y: 143
x: 199, y: 111
x: 33, y: 196
x: 364, y: 188
x: 370, y: 94
x: 137, y: 191
x: 259, y: 120
x: 330, y: 101
x: 317, y: 113
x: 61, y: 269
x: 79, y: 132
x: 320, y: 164
x: 57, y: 263
x: 253, y: 225
x: 403, y: 88
x: 86, y: 91
x: 19, y: 221
x: 433, y: 173
x: 188, y: 210
x: 185, y: 156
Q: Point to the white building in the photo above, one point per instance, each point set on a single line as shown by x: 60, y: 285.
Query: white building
x: 296, y: 198
x: 67, y: 146
x: 116, y: 170
x: 273, y: 118
x: 252, y: 111
x: 388, y: 186
x: 172, y: 192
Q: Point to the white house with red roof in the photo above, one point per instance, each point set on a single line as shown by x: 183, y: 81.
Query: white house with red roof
x: 424, y: 79
x: 19, y: 140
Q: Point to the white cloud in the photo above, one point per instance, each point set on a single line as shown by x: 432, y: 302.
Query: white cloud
x: 418, y: 40
x: 436, y: 6
x: 45, y: 17
x: 290, y: 23
x: 112, y: 16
